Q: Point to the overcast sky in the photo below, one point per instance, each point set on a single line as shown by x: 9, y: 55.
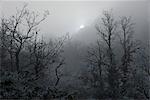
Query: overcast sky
x: 69, y: 16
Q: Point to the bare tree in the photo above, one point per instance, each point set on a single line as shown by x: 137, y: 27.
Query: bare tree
x: 143, y: 72
x: 129, y: 47
x: 44, y: 56
x: 107, y: 31
x: 96, y: 61
x: 3, y: 30
x: 33, y: 57
x: 144, y: 54
x: 21, y: 27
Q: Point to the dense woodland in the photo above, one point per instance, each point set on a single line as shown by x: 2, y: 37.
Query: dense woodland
x: 117, y: 63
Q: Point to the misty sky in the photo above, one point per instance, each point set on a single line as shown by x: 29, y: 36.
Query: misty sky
x: 69, y: 16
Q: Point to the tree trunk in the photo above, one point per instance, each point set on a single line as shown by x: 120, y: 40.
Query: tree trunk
x: 17, y: 57
x: 17, y: 61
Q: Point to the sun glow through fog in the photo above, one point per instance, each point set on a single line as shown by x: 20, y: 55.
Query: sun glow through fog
x: 81, y: 26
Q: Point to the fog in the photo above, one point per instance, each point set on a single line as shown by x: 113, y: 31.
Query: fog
x: 79, y: 20
x: 68, y: 16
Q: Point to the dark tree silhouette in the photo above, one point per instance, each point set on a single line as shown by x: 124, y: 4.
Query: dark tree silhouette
x: 143, y: 72
x: 107, y: 32
x: 129, y: 47
x: 19, y: 36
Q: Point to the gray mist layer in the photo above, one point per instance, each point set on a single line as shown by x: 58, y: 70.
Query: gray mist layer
x: 69, y: 16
